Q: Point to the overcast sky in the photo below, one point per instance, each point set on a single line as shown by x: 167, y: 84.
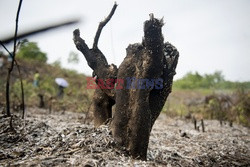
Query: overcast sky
x: 210, y: 35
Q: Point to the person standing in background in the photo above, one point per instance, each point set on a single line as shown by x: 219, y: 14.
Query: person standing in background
x: 62, y: 84
x: 36, y: 79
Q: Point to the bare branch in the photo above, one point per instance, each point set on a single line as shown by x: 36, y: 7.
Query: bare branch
x: 1, y: 43
x: 15, y: 37
x: 101, y: 25
x: 41, y: 30
x: 83, y: 47
x: 12, y: 63
x: 22, y: 92
x: 20, y: 77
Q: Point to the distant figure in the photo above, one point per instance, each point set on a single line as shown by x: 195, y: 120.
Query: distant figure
x: 60, y: 92
x: 62, y: 83
x: 36, y: 79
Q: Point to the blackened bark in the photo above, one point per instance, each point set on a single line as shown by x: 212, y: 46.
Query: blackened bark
x: 103, y: 99
x: 137, y: 109
x: 202, y: 125
x: 101, y: 107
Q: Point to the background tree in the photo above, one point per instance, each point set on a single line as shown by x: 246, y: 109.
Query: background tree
x: 31, y: 51
x: 215, y: 80
x: 73, y: 58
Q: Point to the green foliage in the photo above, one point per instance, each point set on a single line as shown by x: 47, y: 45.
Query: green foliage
x: 76, y: 96
x: 46, y: 85
x: 242, y: 107
x: 16, y: 91
x: 229, y: 106
x: 207, y: 81
x: 189, y: 81
x: 30, y: 51
x: 28, y: 88
x: 218, y: 108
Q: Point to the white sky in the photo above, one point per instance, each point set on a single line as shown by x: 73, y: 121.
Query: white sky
x: 209, y: 34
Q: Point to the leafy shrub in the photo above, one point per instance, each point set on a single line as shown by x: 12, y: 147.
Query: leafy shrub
x: 207, y: 81
x: 242, y: 107
x: 30, y: 51
x: 28, y: 89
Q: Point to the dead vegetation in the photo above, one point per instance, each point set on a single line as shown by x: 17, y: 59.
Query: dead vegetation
x: 62, y: 139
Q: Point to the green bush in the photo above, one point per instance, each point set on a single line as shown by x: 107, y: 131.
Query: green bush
x: 30, y: 51
x: 242, y: 107
x: 207, y: 81
x: 16, y: 94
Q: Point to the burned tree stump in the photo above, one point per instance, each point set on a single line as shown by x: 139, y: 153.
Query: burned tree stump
x: 146, y: 74
x: 202, y: 125
x: 41, y: 100
x: 152, y: 64
x: 101, y: 70
x: 103, y: 99
x: 195, y: 123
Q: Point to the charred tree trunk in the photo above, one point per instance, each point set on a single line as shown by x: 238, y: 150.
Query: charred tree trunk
x: 147, y: 74
x: 137, y: 109
x: 195, y: 123
x: 202, y: 125
x: 41, y: 100
x: 103, y: 99
x: 101, y: 107
x: 101, y: 70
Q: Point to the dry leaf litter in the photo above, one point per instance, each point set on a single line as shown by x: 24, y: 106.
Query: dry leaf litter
x: 62, y: 139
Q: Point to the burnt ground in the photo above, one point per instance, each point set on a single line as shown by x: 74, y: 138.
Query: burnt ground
x: 62, y: 139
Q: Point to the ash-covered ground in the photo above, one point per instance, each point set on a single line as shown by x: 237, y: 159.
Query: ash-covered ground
x: 62, y: 139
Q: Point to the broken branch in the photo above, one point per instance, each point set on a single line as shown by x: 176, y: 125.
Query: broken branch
x: 83, y: 47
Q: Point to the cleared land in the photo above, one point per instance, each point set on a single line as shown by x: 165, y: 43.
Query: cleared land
x: 62, y: 139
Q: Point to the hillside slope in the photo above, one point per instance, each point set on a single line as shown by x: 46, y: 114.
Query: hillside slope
x: 76, y: 93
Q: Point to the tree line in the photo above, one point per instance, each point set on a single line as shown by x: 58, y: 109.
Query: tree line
x: 216, y: 80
